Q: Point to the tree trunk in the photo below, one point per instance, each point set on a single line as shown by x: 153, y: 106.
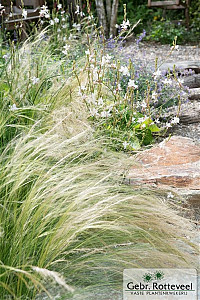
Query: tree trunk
x: 114, y: 18
x: 71, y: 6
x: 108, y: 11
x: 101, y: 15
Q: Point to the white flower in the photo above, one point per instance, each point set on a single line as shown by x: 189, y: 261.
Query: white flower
x: 117, y: 26
x: 56, y: 20
x: 131, y: 84
x: 114, y: 66
x: 168, y: 125
x: 143, y: 104
x: 105, y: 114
x: 51, y: 22
x: 87, y: 52
x: 100, y: 101
x: 133, y: 119
x: 13, y: 107
x: 6, y: 56
x: 77, y: 26
x: 176, y: 47
x: 125, y: 71
x: 125, y: 25
x: 93, y: 112
x: 77, y: 9
x: 175, y: 120
x: 24, y: 13
x: 59, y: 6
x: 47, y: 15
x: 106, y: 59
x: 180, y: 80
x: 44, y: 12
x: 44, y: 7
x: 63, y: 19
x: 141, y: 120
x: 92, y: 99
x: 66, y: 47
x: 71, y: 36
x: 35, y: 80
x: 64, y: 26
x: 154, y: 95
x: 170, y: 195
x: 96, y: 75
x: 119, y: 88
x: 157, y: 121
x: 82, y: 88
x: 157, y: 73
x: 90, y: 17
x: 167, y: 81
x: 143, y: 125
x: 125, y: 144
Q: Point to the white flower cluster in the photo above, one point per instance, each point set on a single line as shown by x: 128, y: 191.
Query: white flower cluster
x: 79, y: 12
x: 13, y: 107
x: 124, y: 71
x: 77, y: 26
x: 125, y: 24
x: 106, y: 60
x: 2, y: 9
x: 131, y: 84
x: 35, y: 80
x: 66, y: 48
x: 97, y: 105
x: 44, y: 12
x: 24, y: 13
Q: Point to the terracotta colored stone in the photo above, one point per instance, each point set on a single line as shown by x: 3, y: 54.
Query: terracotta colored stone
x: 175, y: 163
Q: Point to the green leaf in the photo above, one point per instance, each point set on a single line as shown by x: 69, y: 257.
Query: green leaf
x: 154, y: 128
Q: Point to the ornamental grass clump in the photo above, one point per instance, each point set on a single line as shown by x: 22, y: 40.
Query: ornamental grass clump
x: 65, y: 209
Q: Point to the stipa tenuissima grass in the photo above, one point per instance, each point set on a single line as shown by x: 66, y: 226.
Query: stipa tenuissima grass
x: 65, y: 209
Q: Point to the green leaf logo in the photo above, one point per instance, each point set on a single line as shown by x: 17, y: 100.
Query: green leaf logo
x: 158, y: 275
x: 148, y: 277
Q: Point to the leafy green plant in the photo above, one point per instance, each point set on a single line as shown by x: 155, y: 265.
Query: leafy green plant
x: 164, y: 32
x: 128, y: 102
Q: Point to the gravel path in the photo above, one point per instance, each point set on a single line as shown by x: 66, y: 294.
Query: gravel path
x: 151, y: 51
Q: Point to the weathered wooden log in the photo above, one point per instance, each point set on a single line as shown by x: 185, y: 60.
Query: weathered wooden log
x: 192, y: 81
x: 163, y: 3
x: 190, y: 113
x: 181, y: 65
x: 195, y: 94
x: 190, y: 118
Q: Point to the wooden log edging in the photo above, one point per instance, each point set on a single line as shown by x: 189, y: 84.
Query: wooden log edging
x: 182, y: 65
